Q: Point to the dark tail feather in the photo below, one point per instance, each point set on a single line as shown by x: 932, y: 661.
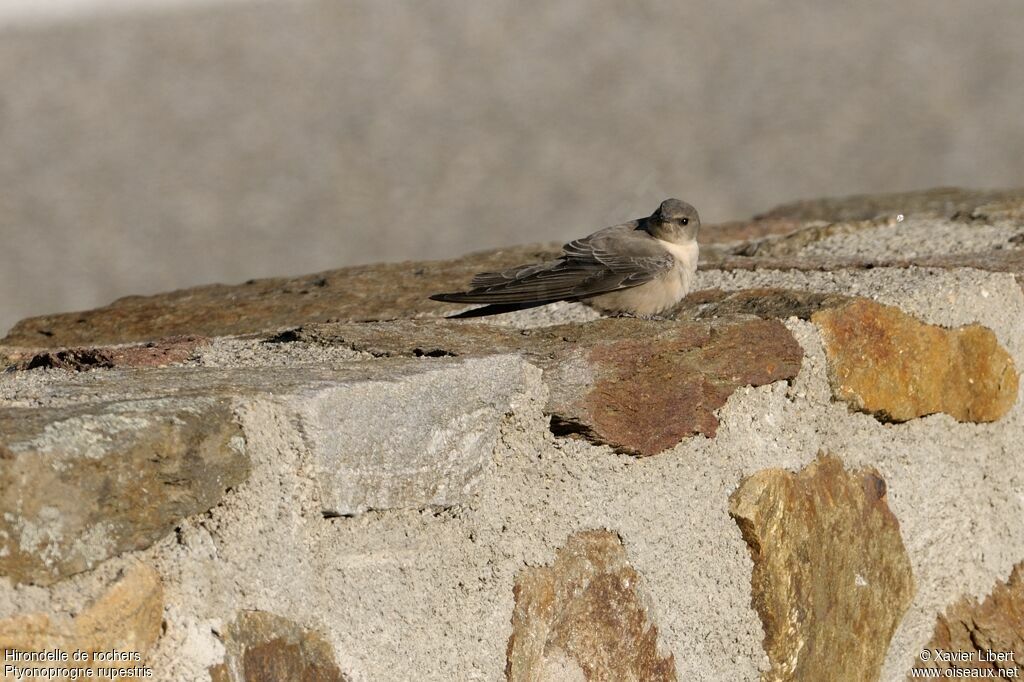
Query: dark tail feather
x: 483, y: 311
x: 455, y: 297
x: 496, y: 309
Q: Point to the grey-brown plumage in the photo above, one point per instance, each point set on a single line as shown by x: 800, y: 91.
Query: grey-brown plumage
x: 642, y: 267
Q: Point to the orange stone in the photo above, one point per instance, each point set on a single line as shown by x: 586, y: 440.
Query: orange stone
x: 264, y: 647
x: 989, y: 634
x: 584, y: 618
x: 890, y: 364
x: 831, y: 578
x: 125, y: 619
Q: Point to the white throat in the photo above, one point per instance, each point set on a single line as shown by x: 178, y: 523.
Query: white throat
x: 685, y: 254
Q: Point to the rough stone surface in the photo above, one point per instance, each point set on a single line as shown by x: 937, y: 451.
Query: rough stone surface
x: 585, y: 617
x: 397, y: 433
x: 986, y: 636
x: 885, y: 362
x: 81, y: 484
x: 764, y: 302
x: 262, y: 647
x: 644, y: 395
x: 360, y: 293
x: 993, y: 260
x: 998, y: 260
x: 831, y: 577
x: 639, y: 386
x: 918, y: 240
x: 170, y: 351
x: 745, y: 230
x: 959, y: 231
x: 419, y: 441
x: 948, y: 202
x: 125, y: 618
x: 809, y: 235
x: 366, y: 292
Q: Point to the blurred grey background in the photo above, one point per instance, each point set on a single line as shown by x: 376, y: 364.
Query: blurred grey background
x: 150, y: 145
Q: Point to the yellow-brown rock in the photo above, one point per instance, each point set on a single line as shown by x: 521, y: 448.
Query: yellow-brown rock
x: 831, y: 578
x: 892, y: 365
x: 584, y: 618
x: 82, y: 483
x: 125, y: 620
x: 986, y: 636
x: 263, y: 647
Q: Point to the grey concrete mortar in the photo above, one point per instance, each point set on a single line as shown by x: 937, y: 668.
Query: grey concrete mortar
x: 672, y: 510
x: 426, y: 595
x: 916, y: 237
x: 438, y: 587
x: 231, y: 352
x: 937, y: 296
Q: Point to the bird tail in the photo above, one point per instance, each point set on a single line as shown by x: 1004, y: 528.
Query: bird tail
x: 492, y: 309
x: 456, y: 297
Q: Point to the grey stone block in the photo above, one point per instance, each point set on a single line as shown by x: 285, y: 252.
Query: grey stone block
x: 112, y: 461
x: 81, y: 484
x: 415, y: 440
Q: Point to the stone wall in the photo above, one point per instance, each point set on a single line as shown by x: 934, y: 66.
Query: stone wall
x: 811, y: 470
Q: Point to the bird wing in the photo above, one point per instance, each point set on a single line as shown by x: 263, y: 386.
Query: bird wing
x: 611, y: 259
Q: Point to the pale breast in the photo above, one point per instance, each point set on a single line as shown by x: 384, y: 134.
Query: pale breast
x: 659, y: 294
x: 686, y: 256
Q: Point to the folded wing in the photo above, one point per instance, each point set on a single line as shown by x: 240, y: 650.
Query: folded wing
x: 614, y: 258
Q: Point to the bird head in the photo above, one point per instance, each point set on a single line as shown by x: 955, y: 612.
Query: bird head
x: 675, y: 221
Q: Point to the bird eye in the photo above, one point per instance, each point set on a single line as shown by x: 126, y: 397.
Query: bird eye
x: 685, y: 221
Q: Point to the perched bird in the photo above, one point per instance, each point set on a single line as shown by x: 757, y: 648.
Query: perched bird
x: 640, y: 268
